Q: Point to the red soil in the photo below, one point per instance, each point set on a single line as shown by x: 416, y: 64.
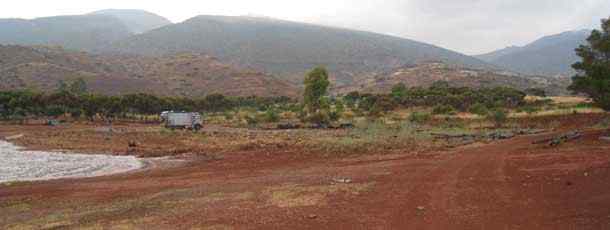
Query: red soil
x: 511, y: 184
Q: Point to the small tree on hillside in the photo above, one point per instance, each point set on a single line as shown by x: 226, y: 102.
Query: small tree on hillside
x: 317, y: 107
x: 593, y: 76
x: 316, y: 87
x: 399, y: 91
x: 78, y: 86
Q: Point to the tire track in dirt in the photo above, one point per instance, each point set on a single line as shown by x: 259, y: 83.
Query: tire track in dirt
x: 466, y: 189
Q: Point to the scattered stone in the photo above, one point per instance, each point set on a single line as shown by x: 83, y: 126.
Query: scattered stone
x: 288, y: 126
x: 14, y: 137
x: 342, y: 180
x: 586, y: 174
x: 312, y: 216
x: 132, y: 144
x: 53, y: 123
x: 501, y: 135
x: 346, y: 126
x: 421, y: 208
x: 556, y: 141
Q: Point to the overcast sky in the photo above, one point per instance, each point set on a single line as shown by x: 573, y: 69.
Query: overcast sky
x: 468, y: 26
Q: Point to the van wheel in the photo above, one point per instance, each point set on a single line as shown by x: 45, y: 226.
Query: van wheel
x: 197, y: 127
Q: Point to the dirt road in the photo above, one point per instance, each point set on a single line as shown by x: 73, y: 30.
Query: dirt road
x: 504, y: 185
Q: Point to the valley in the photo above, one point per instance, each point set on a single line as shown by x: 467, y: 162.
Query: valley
x: 210, y: 119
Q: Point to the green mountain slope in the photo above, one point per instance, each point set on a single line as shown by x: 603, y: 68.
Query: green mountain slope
x: 289, y: 49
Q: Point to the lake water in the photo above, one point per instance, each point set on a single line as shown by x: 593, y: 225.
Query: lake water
x: 20, y: 165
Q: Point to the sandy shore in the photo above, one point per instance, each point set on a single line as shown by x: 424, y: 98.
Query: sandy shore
x: 17, y: 164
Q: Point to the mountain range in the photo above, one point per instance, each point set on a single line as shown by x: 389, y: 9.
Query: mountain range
x: 289, y: 49
x: 550, y: 56
x: 264, y: 55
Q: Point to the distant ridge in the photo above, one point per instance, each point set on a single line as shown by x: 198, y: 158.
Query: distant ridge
x: 79, y: 32
x: 551, y: 55
x: 137, y: 21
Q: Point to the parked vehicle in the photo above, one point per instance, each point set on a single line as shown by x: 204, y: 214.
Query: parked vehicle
x: 182, y: 120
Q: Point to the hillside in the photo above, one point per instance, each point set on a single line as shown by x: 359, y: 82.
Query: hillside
x: 80, y: 32
x: 137, y: 21
x: 190, y: 75
x: 288, y: 49
x: 550, y: 56
x: 425, y: 74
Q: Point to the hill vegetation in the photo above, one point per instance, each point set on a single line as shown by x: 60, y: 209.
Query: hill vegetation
x: 192, y: 75
x: 426, y: 74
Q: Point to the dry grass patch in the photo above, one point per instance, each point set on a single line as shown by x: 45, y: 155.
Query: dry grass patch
x: 290, y: 196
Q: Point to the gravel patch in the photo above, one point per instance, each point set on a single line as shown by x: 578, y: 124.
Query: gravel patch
x: 20, y: 165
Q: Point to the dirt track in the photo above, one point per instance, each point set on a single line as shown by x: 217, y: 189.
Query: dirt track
x: 505, y: 185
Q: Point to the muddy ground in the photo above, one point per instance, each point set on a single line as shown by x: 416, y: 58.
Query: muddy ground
x: 508, y: 184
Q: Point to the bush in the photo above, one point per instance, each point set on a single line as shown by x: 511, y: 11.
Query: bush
x: 419, y: 117
x: 251, y: 120
x: 530, y: 109
x: 499, y: 117
x: 444, y: 110
x: 271, y: 116
x: 334, y: 116
x: 320, y: 118
x: 479, y: 109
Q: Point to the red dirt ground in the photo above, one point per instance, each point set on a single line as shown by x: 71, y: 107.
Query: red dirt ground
x: 510, y: 184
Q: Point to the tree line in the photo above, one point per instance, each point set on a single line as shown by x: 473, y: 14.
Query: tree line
x: 15, y: 105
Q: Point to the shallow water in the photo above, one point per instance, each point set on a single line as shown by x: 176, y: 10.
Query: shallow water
x: 19, y: 165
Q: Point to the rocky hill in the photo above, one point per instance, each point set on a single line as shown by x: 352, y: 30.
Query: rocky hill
x: 192, y: 75
x: 425, y: 74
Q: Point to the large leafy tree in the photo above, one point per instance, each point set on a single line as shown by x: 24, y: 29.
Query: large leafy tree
x: 593, y: 76
x: 316, y: 87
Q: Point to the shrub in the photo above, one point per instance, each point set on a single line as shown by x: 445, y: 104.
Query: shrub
x: 251, y: 120
x: 530, y: 109
x: 419, y: 117
x: 320, y: 118
x: 498, y: 116
x: 334, y: 116
x: 479, y: 109
x: 228, y: 115
x: 444, y: 110
x: 271, y: 116
x: 536, y: 92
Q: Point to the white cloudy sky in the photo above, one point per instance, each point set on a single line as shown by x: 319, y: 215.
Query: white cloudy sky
x: 469, y: 26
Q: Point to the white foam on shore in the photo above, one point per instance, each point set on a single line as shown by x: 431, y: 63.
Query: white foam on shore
x: 19, y: 165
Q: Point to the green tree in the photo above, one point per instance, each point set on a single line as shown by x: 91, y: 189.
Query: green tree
x: 62, y: 87
x: 316, y: 87
x: 399, y: 91
x: 479, y: 109
x: 339, y: 107
x: 78, y: 86
x: 593, y: 77
x: 499, y: 117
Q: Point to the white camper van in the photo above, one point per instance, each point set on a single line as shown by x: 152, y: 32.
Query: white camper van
x: 182, y: 120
